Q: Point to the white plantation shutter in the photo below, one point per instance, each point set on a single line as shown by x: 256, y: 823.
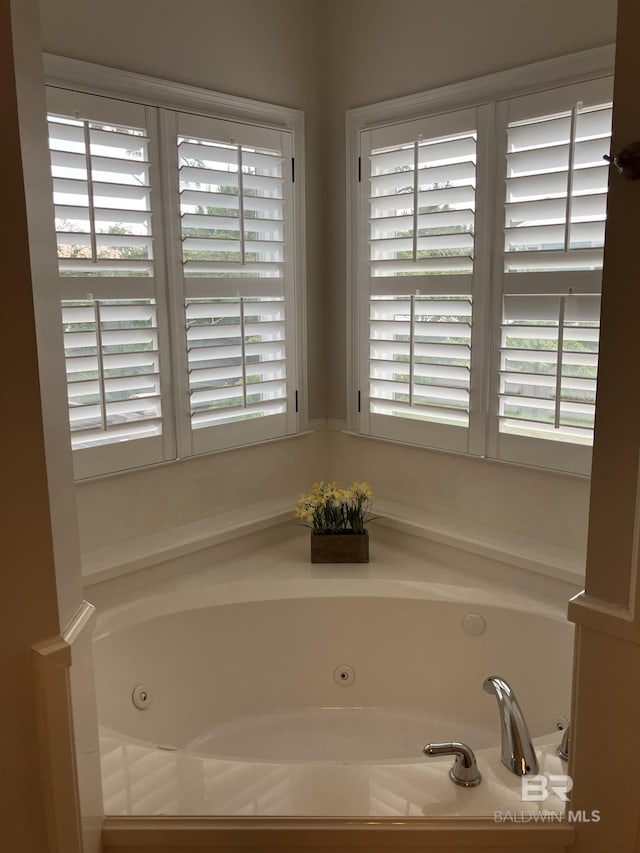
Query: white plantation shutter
x: 237, y: 359
x: 167, y: 219
x: 231, y: 202
x: 477, y: 249
x: 103, y: 170
x: 236, y: 229
x: 102, y: 196
x: 420, y: 357
x: 549, y: 362
x: 113, y: 371
x: 554, y: 191
x: 418, y: 203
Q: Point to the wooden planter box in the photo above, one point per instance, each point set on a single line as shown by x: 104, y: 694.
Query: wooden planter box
x: 340, y: 548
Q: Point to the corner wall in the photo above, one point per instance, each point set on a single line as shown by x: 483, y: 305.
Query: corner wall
x: 441, y: 43
x: 325, y: 56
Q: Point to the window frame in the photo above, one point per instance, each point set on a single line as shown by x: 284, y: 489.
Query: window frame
x: 557, y: 454
x: 121, y: 455
x: 160, y: 95
x: 484, y: 94
x: 457, y: 439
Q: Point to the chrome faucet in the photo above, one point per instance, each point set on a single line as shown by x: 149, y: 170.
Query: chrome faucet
x: 517, y: 750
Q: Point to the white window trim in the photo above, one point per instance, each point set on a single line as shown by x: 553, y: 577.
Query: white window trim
x: 548, y: 74
x: 77, y: 75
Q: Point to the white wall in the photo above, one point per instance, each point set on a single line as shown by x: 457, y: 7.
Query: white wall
x: 325, y: 56
x: 477, y: 497
x: 127, y: 506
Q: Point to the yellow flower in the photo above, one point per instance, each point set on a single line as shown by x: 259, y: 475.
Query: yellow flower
x: 329, y: 506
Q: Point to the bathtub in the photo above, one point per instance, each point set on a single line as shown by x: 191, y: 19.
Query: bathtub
x: 316, y: 697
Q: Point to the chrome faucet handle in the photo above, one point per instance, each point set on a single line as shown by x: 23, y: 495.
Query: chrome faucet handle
x: 563, y: 750
x: 465, y: 769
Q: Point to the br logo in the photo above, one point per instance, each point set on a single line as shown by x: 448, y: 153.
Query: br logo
x: 536, y: 789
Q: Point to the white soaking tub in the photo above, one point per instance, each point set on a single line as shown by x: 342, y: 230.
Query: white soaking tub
x: 316, y: 697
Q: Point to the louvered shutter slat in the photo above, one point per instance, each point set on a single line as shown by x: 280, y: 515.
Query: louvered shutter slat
x: 437, y: 414
x: 545, y: 132
x: 119, y: 171
x: 86, y: 437
x: 423, y: 266
x: 226, y: 268
x: 83, y: 393
x: 235, y: 414
x: 552, y: 211
x: 121, y: 196
x: 66, y: 134
x: 268, y: 389
x: 115, y: 143
x: 65, y: 164
x: 546, y: 260
x: 390, y: 248
x: 72, y: 192
x: 428, y: 223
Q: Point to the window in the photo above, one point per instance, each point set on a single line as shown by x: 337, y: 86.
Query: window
x: 555, y: 194
x: 235, y: 211
x: 112, y: 281
x: 478, y: 235
x: 421, y: 210
x: 179, y: 276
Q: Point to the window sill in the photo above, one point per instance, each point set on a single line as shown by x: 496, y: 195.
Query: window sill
x: 538, y: 558
x: 531, y: 555
x: 146, y: 551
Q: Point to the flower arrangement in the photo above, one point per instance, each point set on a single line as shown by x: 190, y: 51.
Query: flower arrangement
x: 330, y: 510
